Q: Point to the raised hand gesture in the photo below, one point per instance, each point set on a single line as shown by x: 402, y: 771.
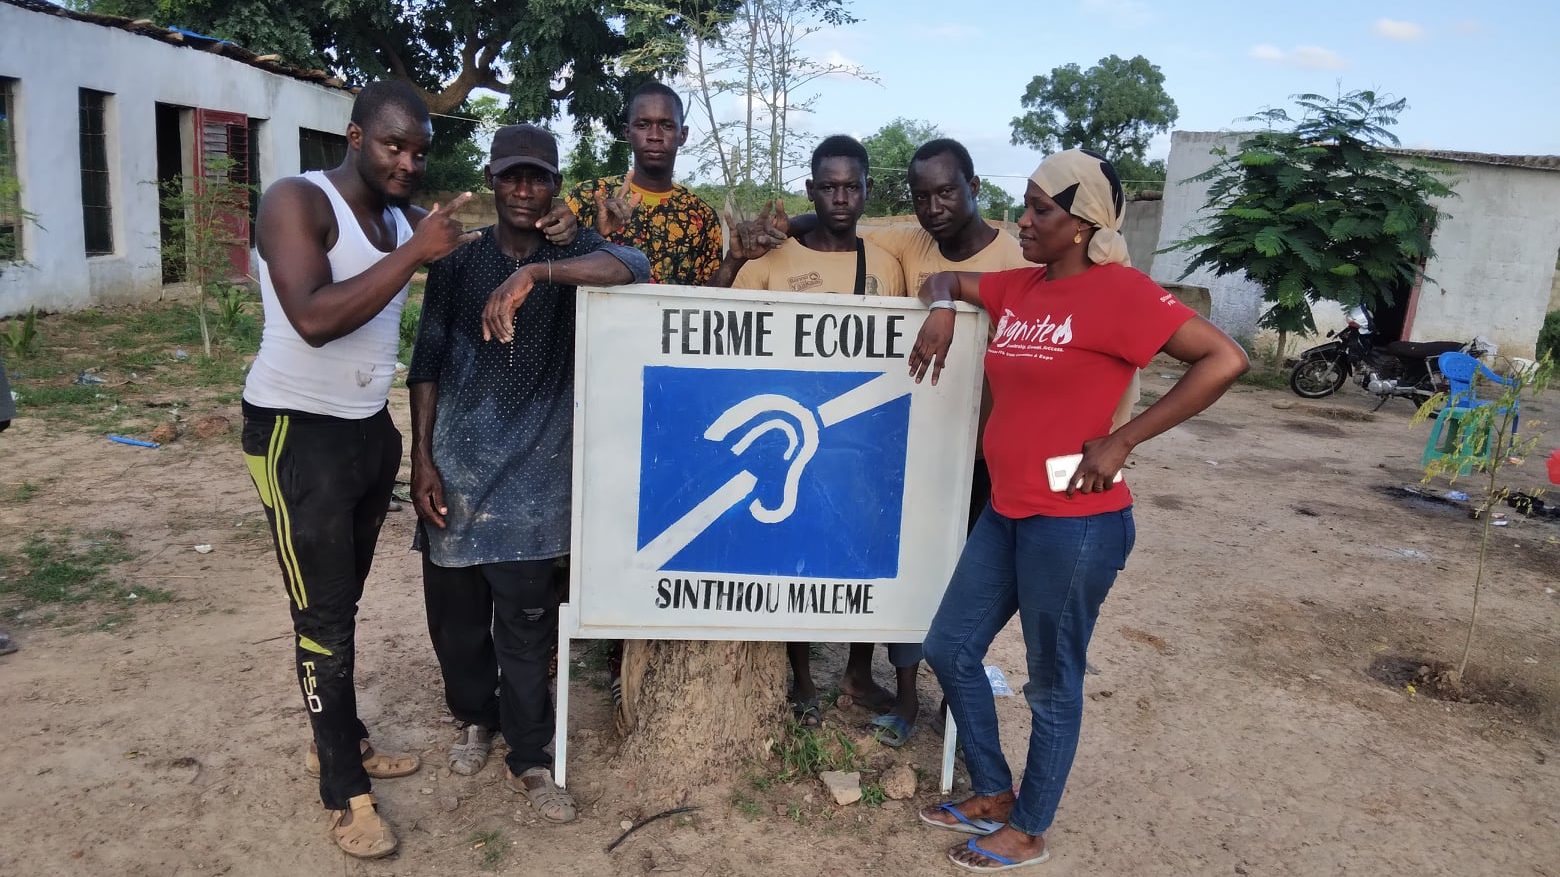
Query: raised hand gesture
x: 614, y: 211
x: 559, y: 225
x: 751, y: 239
x: 440, y: 232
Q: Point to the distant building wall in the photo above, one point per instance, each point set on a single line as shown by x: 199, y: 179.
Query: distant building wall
x: 50, y: 58
x: 1494, y: 273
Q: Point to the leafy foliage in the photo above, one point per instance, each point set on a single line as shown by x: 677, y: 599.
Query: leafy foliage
x: 1319, y: 210
x: 890, y: 150
x: 20, y: 335
x: 1114, y: 108
x: 751, y: 74
x: 456, y: 161
x: 209, y: 217
x: 1549, y: 336
x: 996, y: 203
x: 539, y: 52
x: 1486, y: 442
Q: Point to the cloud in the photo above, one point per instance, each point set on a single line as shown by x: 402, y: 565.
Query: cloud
x: 1469, y: 27
x: 1401, y: 31
x: 1122, y: 13
x: 948, y: 31
x: 1303, y: 57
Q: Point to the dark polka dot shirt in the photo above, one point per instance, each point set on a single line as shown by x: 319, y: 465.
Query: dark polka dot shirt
x: 504, y: 429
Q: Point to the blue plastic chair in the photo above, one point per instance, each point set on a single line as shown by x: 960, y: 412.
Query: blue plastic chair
x: 1461, y: 371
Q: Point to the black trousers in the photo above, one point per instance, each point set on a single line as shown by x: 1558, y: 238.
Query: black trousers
x: 325, y: 483
x: 493, y: 628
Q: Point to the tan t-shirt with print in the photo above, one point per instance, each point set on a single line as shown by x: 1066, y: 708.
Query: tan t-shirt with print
x: 795, y: 268
x: 918, y: 254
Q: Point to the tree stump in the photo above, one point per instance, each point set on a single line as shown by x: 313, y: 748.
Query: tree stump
x: 696, y: 712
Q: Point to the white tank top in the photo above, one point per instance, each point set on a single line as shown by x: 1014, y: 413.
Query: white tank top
x: 350, y: 376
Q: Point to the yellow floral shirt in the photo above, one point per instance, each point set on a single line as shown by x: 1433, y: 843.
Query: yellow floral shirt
x: 677, y: 231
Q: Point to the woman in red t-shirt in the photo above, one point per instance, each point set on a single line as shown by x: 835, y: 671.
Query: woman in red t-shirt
x: 1068, y: 339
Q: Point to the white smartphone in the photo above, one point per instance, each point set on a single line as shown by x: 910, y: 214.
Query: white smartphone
x: 1059, y: 471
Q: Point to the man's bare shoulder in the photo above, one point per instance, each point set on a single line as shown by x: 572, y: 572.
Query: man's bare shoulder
x: 296, y: 198
x: 293, y: 210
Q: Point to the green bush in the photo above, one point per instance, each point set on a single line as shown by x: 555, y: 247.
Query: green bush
x: 1549, y: 336
x: 411, y: 315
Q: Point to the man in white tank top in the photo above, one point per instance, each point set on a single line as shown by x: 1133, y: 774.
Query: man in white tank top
x: 337, y: 251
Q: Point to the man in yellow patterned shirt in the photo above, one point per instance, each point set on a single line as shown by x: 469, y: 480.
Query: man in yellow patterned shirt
x: 676, y: 230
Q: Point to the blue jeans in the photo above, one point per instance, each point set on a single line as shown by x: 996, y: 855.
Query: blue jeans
x: 1055, y: 573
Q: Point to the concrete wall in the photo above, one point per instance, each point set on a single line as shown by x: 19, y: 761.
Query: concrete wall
x: 1494, y: 267
x: 1140, y: 226
x: 1236, y: 301
x: 53, y: 57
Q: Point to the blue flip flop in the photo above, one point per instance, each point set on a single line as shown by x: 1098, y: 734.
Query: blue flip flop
x: 965, y: 825
x: 1003, y: 862
x: 892, y: 731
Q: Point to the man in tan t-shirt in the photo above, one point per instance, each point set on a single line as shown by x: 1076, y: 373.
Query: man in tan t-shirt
x: 830, y: 257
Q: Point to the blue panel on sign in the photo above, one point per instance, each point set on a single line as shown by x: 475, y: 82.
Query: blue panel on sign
x: 784, y: 473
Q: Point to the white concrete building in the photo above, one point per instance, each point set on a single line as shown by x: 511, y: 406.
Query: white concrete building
x: 95, y: 111
x: 1494, y: 267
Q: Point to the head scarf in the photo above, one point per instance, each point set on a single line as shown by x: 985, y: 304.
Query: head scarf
x: 1085, y: 185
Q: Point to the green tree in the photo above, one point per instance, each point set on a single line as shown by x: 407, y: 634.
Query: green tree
x: 455, y: 164
x: 538, y: 52
x: 750, y: 74
x: 1114, y: 108
x: 1319, y: 211
x: 996, y: 203
x: 890, y: 150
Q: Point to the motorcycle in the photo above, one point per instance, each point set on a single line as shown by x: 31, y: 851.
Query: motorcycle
x: 1398, y: 370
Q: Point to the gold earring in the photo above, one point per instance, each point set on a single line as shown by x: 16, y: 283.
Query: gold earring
x: 1078, y: 238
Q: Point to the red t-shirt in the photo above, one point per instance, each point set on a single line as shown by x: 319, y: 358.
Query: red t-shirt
x: 1062, y: 355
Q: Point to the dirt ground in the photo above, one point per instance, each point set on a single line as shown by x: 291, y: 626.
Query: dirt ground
x: 1237, y: 723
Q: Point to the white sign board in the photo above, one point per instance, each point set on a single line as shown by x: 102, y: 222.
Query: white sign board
x: 761, y: 466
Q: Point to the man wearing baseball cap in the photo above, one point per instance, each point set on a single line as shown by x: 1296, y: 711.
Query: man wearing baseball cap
x: 492, y: 445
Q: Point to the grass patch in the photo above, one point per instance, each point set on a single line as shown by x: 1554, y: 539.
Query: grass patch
x: 55, y: 578
x: 490, y: 845
x: 150, y: 358
x: 1267, y: 378
x: 24, y: 492
x: 746, y: 806
x: 872, y: 794
x: 805, y: 752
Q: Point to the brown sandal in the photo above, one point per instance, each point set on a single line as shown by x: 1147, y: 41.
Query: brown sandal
x: 377, y: 764
x: 554, y: 804
x: 368, y: 835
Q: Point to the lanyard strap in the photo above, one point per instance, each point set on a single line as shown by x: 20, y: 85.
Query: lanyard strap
x: 861, y: 267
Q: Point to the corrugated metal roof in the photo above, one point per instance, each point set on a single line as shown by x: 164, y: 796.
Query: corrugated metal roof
x: 174, y: 36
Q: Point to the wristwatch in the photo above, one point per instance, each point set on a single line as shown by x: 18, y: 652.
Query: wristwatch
x: 943, y: 305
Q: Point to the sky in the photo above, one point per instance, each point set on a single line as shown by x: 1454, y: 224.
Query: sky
x: 1478, y: 77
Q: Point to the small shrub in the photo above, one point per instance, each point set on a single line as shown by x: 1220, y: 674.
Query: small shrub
x: 21, y: 335
x: 411, y: 315
x: 1549, y: 337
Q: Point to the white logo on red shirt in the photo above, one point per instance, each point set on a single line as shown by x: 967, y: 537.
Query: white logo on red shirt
x: 1031, y: 333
